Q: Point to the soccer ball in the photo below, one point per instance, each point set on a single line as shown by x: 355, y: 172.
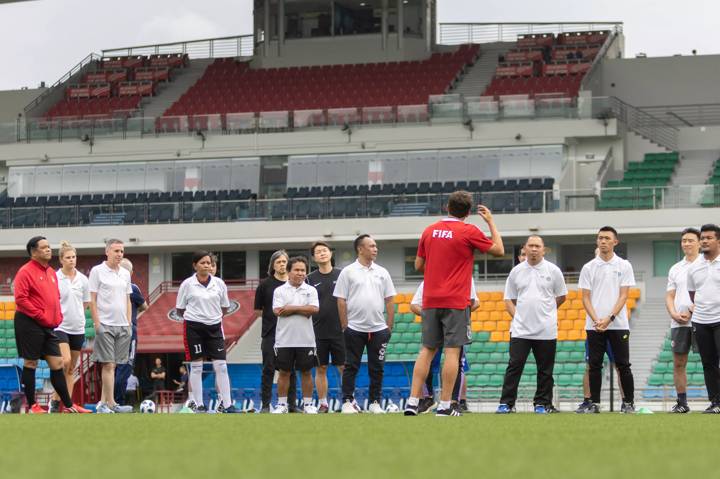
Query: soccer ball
x: 147, y: 407
x: 392, y: 407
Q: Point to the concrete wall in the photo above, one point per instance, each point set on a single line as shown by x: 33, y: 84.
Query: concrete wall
x: 659, y: 81
x: 699, y: 138
x: 13, y: 102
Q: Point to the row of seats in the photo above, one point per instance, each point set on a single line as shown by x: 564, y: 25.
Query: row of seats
x: 75, y: 109
x: 662, y: 370
x: 568, y: 85
x: 229, y: 86
x: 711, y: 196
x: 636, y: 190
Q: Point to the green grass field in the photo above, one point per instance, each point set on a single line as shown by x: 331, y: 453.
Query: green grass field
x: 607, y: 446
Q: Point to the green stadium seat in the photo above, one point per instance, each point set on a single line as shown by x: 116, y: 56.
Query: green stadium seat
x: 496, y: 380
x: 663, y: 367
x: 656, y: 380
x: 665, y: 356
x: 697, y: 379
x: 562, y: 356
x: 400, y: 327
x: 483, y: 336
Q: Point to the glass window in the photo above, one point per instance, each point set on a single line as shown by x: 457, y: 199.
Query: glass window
x: 181, y: 266
x: 410, y: 272
x: 264, y: 259
x: 354, y: 18
x: 412, y: 17
x: 232, y: 265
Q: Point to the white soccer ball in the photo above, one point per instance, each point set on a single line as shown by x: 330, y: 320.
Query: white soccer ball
x: 147, y: 407
x: 392, y: 407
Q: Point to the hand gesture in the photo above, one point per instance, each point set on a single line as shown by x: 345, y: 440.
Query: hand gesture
x: 485, y: 213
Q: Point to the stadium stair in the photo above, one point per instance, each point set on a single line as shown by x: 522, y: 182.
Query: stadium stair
x: 660, y: 384
x: 640, y: 186
x: 185, y: 79
x: 711, y: 196
x: 648, y: 328
x: 478, y: 76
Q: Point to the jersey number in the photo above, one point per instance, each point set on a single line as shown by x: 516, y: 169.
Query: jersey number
x: 198, y: 348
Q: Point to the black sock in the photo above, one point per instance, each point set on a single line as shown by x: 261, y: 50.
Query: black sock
x: 682, y: 398
x: 57, y: 378
x: 586, y: 400
x: 28, y: 382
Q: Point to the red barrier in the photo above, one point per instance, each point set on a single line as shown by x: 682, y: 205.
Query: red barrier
x: 523, y: 55
x: 133, y: 88
x: 516, y: 70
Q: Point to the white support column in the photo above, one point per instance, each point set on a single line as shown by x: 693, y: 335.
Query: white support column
x: 252, y: 264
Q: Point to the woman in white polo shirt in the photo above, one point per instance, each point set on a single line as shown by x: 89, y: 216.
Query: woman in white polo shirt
x: 74, y: 300
x: 202, y: 301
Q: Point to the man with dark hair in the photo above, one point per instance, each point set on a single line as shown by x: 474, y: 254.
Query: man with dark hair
x: 294, y: 304
x: 37, y: 314
x: 277, y: 276
x: 364, y: 290
x: 703, y: 284
x: 446, y: 255
x: 679, y: 306
x: 328, y: 332
x: 604, y: 283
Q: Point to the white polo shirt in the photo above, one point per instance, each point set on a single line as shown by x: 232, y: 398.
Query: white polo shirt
x: 203, y: 304
x: 112, y: 288
x: 73, y: 293
x: 704, y: 278
x: 365, y: 290
x: 296, y: 330
x: 604, y: 280
x: 677, y: 281
x: 535, y: 289
x: 417, y: 298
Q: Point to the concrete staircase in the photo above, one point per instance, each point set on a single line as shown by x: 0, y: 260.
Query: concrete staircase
x: 478, y: 77
x: 247, y: 349
x: 694, y: 169
x: 172, y: 91
x: 649, y: 326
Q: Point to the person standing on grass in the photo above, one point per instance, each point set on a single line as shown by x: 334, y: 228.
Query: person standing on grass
x: 446, y: 256
x: 37, y: 313
x: 364, y: 291
x: 703, y: 284
x: 604, y: 284
x: 534, y: 290
x: 202, y: 301
x: 74, y: 300
x: 328, y: 332
x: 111, y: 313
x: 679, y: 307
x: 294, y: 304
x: 277, y: 276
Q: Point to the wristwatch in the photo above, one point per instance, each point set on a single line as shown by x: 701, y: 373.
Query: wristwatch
x: 612, y: 318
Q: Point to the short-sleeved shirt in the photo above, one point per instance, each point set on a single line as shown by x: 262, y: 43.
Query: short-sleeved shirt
x: 112, y: 288
x: 365, y: 289
x: 327, y: 321
x: 704, y: 278
x: 604, y: 279
x: 73, y: 293
x: 677, y: 281
x: 418, y: 296
x: 535, y: 289
x: 158, y: 383
x: 448, y: 248
x: 136, y: 300
x: 203, y: 303
x: 264, y: 302
x: 296, y: 330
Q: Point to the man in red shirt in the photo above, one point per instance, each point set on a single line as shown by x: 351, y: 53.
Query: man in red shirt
x: 446, y: 256
x: 37, y: 314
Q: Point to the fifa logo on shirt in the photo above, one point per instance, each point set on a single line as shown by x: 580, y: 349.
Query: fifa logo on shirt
x: 444, y: 234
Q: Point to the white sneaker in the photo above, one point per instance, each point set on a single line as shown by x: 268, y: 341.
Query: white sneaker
x: 103, y: 408
x: 310, y: 409
x: 376, y: 408
x: 280, y: 409
x: 118, y: 409
x: 349, y: 407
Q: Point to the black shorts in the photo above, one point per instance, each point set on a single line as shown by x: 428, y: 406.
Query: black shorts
x: 683, y: 339
x: 75, y: 341
x: 444, y: 327
x: 203, y: 341
x: 34, y: 341
x: 299, y: 359
x: 334, y: 347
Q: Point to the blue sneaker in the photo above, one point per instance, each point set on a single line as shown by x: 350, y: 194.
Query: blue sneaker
x: 540, y: 409
x: 505, y: 409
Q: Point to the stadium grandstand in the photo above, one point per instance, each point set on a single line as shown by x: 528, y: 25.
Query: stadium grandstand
x: 323, y: 126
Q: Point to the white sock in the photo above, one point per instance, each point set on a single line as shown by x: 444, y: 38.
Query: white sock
x: 223, y: 381
x: 323, y: 401
x: 307, y: 401
x: 413, y: 401
x: 444, y: 405
x: 282, y: 400
x: 196, y: 369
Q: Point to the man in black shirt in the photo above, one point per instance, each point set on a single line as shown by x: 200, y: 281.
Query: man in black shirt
x: 277, y: 276
x: 329, y: 337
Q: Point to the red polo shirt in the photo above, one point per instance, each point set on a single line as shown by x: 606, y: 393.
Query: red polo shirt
x: 448, y: 248
x: 37, y: 294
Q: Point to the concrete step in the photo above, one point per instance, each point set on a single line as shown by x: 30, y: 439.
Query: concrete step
x: 172, y: 91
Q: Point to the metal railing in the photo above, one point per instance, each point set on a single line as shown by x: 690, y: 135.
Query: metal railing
x: 460, y: 32
x: 686, y: 115
x: 221, y: 47
x: 643, y: 123
x: 614, y: 35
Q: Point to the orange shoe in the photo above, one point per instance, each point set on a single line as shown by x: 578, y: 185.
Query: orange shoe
x: 81, y: 409
x: 37, y: 409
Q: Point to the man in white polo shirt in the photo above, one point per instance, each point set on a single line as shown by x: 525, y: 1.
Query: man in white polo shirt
x: 604, y: 283
x: 111, y: 312
x: 294, y: 304
x: 534, y: 290
x: 679, y: 306
x: 364, y: 290
x: 703, y: 284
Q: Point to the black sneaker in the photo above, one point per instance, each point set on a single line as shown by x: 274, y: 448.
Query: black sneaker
x: 550, y: 409
x: 410, y: 410
x: 593, y: 408
x: 54, y: 407
x: 627, y: 408
x: 228, y: 410
x: 712, y: 409
x: 464, y: 407
x: 425, y: 404
x: 680, y: 408
x: 265, y: 409
x: 447, y: 412
x: 582, y: 407
x: 200, y: 409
